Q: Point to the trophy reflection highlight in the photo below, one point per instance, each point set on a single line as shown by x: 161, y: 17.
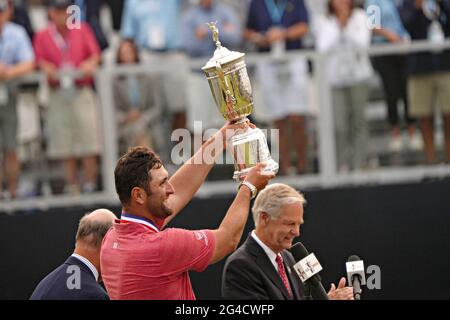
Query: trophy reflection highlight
x: 231, y: 88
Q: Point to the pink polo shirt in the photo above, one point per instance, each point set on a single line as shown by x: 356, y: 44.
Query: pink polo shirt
x: 138, y: 262
x: 78, y: 46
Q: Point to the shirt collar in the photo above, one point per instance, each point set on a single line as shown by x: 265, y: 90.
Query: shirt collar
x: 88, y: 264
x: 137, y: 219
x: 270, y: 254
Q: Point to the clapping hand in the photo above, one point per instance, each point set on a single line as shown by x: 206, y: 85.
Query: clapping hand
x: 341, y: 292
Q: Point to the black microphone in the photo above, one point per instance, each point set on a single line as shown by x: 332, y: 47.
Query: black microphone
x: 355, y: 274
x: 307, y: 267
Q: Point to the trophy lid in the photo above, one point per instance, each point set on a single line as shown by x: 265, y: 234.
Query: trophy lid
x: 221, y: 54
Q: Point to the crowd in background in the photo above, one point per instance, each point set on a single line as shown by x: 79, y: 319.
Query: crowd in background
x: 172, y: 31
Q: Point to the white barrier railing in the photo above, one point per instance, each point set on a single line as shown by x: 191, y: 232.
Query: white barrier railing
x: 327, y: 176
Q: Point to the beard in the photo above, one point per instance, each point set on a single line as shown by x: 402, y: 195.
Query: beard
x: 162, y: 211
x: 166, y: 210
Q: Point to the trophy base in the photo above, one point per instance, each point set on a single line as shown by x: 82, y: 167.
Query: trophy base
x: 271, y: 167
x: 249, y: 148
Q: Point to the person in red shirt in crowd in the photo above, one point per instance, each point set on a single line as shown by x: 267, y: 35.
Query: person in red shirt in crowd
x: 63, y: 48
x: 140, y: 259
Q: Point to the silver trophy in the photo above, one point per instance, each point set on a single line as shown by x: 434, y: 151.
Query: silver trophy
x: 230, y: 86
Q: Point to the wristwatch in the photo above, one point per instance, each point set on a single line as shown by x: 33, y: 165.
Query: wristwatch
x: 252, y: 188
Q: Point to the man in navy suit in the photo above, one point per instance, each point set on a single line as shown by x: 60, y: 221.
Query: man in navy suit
x: 262, y: 268
x: 78, y: 278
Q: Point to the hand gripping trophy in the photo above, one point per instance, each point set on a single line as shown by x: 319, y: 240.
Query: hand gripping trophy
x: 230, y: 86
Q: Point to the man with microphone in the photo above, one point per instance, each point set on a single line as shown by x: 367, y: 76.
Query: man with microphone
x: 262, y: 268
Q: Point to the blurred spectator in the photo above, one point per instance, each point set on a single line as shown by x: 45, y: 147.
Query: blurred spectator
x: 341, y: 33
x: 90, y: 12
x: 153, y: 25
x: 21, y: 17
x: 132, y: 99
x: 277, y: 26
x: 240, y: 7
x: 16, y: 60
x: 429, y: 72
x: 72, y: 120
x: 392, y: 70
x: 196, y: 36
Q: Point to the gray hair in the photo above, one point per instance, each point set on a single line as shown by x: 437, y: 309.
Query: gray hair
x: 92, y: 231
x: 272, y: 198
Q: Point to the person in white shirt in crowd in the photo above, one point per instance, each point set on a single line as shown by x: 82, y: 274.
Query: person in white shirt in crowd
x: 341, y: 33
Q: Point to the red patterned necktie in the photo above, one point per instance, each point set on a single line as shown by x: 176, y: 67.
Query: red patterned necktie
x: 283, y: 275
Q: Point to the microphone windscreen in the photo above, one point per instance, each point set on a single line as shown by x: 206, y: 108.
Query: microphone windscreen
x: 353, y: 258
x: 299, y: 251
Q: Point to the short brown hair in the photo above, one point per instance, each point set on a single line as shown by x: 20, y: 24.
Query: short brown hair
x: 330, y: 8
x: 133, y: 170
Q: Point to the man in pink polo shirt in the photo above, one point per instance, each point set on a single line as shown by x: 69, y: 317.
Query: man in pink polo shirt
x: 72, y: 116
x: 142, y: 260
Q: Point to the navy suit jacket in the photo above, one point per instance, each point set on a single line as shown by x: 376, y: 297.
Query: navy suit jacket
x: 249, y: 274
x: 55, y: 285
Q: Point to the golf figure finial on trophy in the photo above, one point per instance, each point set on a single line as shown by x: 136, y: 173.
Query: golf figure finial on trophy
x: 230, y: 86
x: 215, y: 31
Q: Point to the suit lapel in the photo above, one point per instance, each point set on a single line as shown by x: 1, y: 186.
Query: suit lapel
x: 262, y: 260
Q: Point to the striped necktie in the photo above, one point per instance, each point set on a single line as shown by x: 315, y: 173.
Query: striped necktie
x: 282, y: 272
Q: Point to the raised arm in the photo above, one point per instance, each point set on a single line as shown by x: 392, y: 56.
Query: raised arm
x: 230, y: 230
x: 188, y: 179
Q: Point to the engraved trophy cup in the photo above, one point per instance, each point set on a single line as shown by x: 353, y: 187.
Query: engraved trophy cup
x: 230, y: 86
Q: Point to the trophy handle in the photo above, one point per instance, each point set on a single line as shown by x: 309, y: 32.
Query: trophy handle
x: 230, y: 99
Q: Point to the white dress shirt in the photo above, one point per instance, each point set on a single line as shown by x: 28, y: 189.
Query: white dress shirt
x: 88, y: 264
x: 272, y: 255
